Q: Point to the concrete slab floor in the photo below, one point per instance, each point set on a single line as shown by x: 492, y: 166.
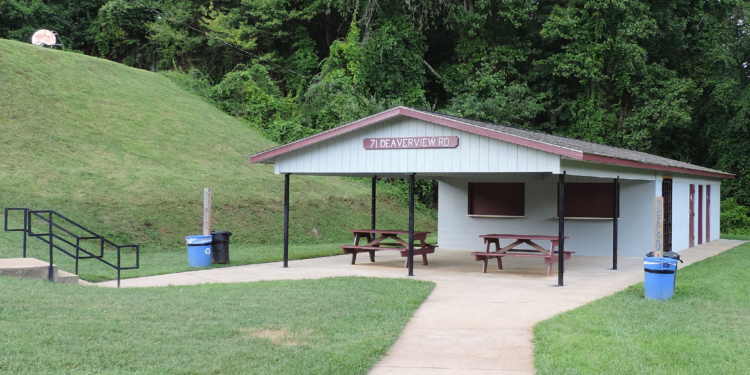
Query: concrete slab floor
x: 9, y: 263
x: 472, y: 323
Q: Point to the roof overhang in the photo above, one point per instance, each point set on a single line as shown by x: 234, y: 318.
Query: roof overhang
x: 637, y: 164
x: 268, y: 156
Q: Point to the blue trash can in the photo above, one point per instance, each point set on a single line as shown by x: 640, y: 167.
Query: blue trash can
x: 199, y: 250
x: 660, y: 277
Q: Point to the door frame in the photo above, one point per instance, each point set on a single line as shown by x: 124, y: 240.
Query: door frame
x: 708, y: 213
x: 700, y: 214
x: 666, y: 192
x: 691, y: 217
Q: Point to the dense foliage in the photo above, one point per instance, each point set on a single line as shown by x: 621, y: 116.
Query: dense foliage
x: 666, y: 77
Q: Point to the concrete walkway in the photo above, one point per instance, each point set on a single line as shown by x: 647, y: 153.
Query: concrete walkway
x: 472, y: 323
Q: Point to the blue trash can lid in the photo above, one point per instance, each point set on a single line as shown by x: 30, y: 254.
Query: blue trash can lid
x: 198, y: 240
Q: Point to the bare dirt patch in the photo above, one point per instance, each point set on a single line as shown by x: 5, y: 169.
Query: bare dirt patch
x: 276, y: 336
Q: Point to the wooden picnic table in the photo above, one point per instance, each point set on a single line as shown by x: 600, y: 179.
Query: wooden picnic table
x: 377, y: 239
x: 550, y: 257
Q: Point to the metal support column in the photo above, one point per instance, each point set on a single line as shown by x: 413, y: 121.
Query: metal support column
x: 286, y: 220
x: 372, y: 214
x: 411, y: 225
x: 561, y: 230
x: 615, y: 220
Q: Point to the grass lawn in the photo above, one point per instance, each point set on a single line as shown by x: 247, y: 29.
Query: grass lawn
x: 735, y: 237
x: 327, y: 326
x: 157, y: 262
x: 705, y: 329
x: 127, y: 153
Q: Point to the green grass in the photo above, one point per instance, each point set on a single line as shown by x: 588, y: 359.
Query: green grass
x: 161, y: 262
x: 704, y: 329
x: 735, y: 237
x: 127, y: 153
x: 327, y: 326
x: 157, y: 262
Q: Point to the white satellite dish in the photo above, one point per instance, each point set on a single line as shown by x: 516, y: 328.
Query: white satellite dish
x: 44, y: 38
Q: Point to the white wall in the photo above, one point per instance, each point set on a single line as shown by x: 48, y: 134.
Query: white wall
x: 456, y: 230
x: 681, y: 210
x: 346, y: 154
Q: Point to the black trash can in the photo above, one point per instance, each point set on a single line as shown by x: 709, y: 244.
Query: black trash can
x: 220, y: 246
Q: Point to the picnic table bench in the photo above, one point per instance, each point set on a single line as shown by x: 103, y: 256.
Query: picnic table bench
x: 375, y: 243
x: 550, y: 256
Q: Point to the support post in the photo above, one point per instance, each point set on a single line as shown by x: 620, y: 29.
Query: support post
x: 374, y: 201
x: 615, y: 220
x: 206, y: 211
x: 286, y: 220
x: 411, y: 225
x: 561, y: 230
x: 50, y: 273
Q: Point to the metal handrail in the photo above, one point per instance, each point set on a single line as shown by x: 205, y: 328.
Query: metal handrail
x: 49, y: 237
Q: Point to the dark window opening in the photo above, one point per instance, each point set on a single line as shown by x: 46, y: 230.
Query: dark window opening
x: 497, y: 199
x: 588, y: 200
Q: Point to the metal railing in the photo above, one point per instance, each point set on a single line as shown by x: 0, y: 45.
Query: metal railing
x: 53, y: 222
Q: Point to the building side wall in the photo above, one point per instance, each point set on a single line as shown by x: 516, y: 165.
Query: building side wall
x: 681, y: 210
x: 456, y: 230
x: 475, y: 154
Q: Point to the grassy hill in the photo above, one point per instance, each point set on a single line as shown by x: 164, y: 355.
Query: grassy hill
x: 127, y: 153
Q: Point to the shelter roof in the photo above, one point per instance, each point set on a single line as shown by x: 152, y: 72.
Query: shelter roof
x: 564, y: 146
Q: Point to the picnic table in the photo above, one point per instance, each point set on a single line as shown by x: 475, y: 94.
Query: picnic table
x: 378, y: 239
x: 550, y: 257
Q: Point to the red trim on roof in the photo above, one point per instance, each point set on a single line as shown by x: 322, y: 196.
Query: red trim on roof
x: 257, y: 158
x: 562, y: 151
x: 636, y: 164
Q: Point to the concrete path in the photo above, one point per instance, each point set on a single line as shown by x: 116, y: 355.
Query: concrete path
x: 472, y: 323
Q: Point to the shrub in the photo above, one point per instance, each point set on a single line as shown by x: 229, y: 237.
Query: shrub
x: 735, y: 219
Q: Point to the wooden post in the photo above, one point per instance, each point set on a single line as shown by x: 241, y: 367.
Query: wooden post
x: 658, y: 227
x: 206, y: 211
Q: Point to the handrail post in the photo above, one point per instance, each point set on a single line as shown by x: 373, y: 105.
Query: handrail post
x: 78, y: 254
x: 118, y: 266
x: 25, y: 229
x: 50, y: 275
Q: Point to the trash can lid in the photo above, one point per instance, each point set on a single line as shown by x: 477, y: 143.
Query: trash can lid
x: 198, y: 240
x: 667, y: 254
x: 222, y: 232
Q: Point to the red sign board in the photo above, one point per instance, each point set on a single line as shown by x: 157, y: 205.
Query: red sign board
x: 410, y: 142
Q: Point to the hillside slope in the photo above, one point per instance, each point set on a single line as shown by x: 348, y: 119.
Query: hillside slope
x: 127, y: 153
